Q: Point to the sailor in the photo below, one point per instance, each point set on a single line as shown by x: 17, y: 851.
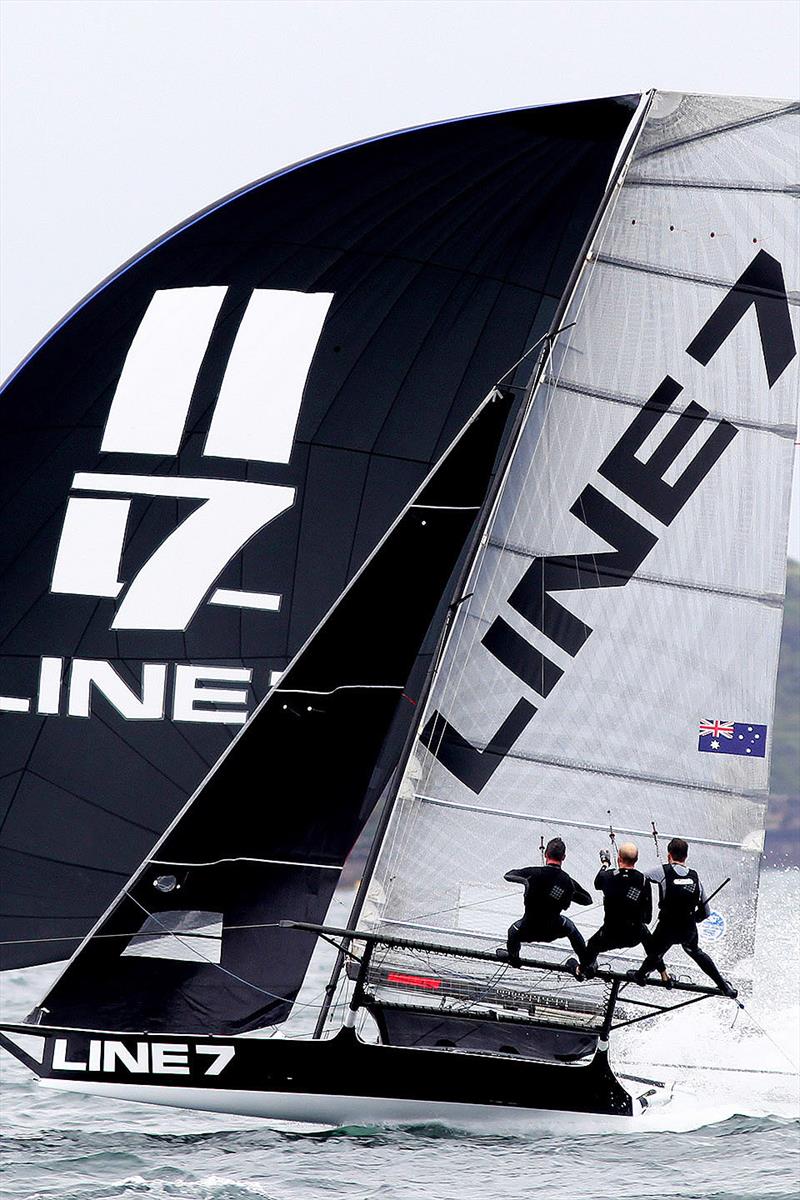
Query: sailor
x: 549, y: 890
x: 627, y: 908
x: 682, y: 905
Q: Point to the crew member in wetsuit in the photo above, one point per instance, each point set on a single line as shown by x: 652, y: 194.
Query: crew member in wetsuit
x: 627, y: 908
x: 549, y: 890
x: 681, y: 906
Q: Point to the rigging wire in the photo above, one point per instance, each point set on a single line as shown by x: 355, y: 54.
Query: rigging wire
x: 79, y: 937
x: 779, y: 1048
x: 195, y: 950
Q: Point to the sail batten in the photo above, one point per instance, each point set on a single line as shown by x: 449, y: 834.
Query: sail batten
x: 511, y: 815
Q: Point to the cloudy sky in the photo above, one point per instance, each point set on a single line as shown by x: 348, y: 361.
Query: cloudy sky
x: 119, y: 118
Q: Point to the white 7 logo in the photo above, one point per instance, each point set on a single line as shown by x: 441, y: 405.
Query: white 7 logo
x: 176, y: 578
x: 254, y: 419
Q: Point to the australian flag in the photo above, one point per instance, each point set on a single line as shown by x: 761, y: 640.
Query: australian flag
x: 733, y: 737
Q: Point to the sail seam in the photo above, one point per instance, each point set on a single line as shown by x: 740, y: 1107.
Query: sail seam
x: 567, y: 385
x: 65, y: 862
x: 759, y: 797
x: 729, y: 127
x: 426, y: 263
x: 725, y: 285
x: 770, y: 599
x: 712, y: 185
x: 274, y: 862
x: 520, y: 816
x: 93, y: 804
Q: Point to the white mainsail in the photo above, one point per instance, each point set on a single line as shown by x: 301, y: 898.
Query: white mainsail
x: 620, y: 600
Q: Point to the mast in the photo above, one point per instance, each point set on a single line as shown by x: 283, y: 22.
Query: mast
x: 494, y: 493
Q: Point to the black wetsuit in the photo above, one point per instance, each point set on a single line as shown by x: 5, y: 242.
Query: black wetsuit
x: 683, y: 903
x: 548, y: 891
x: 627, y: 907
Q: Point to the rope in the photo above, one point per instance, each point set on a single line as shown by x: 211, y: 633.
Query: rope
x: 769, y: 1038
x: 729, y: 1070
x: 79, y: 937
x: 219, y: 967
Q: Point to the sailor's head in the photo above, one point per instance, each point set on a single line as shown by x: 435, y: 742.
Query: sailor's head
x: 677, y: 849
x: 555, y: 851
x: 628, y: 854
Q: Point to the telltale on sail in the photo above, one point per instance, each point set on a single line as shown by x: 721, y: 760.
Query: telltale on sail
x: 443, y: 477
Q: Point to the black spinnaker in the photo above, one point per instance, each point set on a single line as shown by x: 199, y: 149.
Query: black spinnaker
x: 203, y: 453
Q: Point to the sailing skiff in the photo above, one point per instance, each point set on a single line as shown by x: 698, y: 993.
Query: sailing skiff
x: 443, y: 477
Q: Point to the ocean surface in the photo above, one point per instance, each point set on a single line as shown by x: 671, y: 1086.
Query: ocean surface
x: 730, y: 1132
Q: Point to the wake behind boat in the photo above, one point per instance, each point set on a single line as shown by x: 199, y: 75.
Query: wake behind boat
x: 571, y: 617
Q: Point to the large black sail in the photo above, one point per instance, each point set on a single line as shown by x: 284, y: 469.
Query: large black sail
x: 198, y: 459
x: 193, y: 942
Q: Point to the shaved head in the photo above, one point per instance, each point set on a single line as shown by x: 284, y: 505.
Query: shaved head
x: 628, y: 853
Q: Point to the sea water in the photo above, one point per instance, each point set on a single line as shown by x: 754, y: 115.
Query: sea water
x: 731, y: 1130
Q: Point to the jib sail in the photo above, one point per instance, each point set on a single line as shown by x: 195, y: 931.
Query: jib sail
x: 616, y: 660
x: 193, y: 942
x: 199, y: 458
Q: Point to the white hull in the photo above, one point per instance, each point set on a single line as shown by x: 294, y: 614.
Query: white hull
x: 334, y: 1110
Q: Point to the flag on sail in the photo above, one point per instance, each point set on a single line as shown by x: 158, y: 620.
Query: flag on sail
x: 732, y: 737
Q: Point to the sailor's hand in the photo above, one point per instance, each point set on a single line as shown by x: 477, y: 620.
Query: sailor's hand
x: 605, y: 858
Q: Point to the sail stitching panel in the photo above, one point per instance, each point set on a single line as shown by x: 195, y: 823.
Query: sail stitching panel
x: 627, y: 264
x: 773, y: 600
x: 126, y: 820
x: 577, y: 765
x: 559, y: 820
x: 595, y: 393
x: 711, y: 185
x: 730, y: 127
